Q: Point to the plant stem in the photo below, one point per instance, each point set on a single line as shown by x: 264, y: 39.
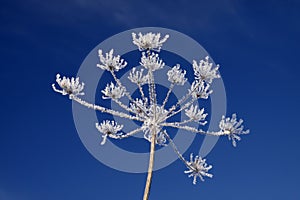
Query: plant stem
x: 150, y: 168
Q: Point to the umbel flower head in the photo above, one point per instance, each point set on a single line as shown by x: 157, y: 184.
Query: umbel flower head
x: 200, y: 90
x: 149, y: 41
x: 177, y: 75
x: 195, y: 114
x: 198, y: 168
x: 146, y: 108
x: 111, y: 62
x: 112, y: 91
x: 137, y: 77
x: 140, y: 107
x: 69, y: 86
x: 109, y: 129
x: 204, y: 70
x: 151, y: 62
x: 232, y: 128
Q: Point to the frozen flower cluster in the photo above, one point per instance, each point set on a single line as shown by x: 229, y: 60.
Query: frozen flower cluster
x: 113, y: 91
x: 69, y: 86
x: 232, y: 128
x: 110, y: 62
x: 149, y: 41
x: 198, y: 168
x: 154, y: 117
x: 151, y: 62
x: 138, y: 77
x: 205, y: 71
x: 200, y: 90
x: 177, y: 75
x: 109, y: 129
x: 196, y: 114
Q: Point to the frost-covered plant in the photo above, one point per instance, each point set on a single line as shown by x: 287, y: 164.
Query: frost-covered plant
x: 149, y: 41
x: 198, y: 168
x: 153, y: 116
x: 109, y: 129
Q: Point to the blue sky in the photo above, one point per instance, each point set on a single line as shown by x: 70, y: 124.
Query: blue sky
x: 256, y: 43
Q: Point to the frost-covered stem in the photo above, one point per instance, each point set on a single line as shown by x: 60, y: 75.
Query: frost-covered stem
x: 175, y: 149
x: 122, y: 105
x: 105, y: 110
x: 141, y: 91
x: 131, y: 133
x: 126, y: 93
x: 168, y: 95
x: 184, y: 98
x: 121, y: 85
x: 182, y: 108
x: 185, y: 121
x: 192, y: 129
x: 150, y: 167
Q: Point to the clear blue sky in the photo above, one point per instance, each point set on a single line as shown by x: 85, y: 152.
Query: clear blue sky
x: 256, y: 43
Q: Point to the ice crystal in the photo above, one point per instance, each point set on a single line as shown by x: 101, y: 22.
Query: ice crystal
x: 140, y: 107
x: 151, y: 62
x: 177, y: 75
x: 137, y: 77
x: 156, y: 115
x: 69, y: 86
x: 112, y: 91
x: 200, y: 90
x: 109, y: 129
x: 161, y: 139
x: 195, y: 114
x: 232, y: 128
x: 198, y: 168
x: 204, y: 70
x: 111, y: 62
x: 149, y: 41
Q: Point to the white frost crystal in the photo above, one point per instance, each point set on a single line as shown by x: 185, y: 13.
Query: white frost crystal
x: 69, y: 86
x: 200, y: 90
x: 154, y: 117
x: 112, y: 91
x: 198, y: 168
x: 109, y: 129
x: 111, y: 62
x: 204, y: 70
x: 232, y: 128
x: 149, y: 41
x: 151, y: 62
x: 196, y: 114
x: 137, y: 77
x: 140, y: 107
x: 161, y: 139
x: 177, y: 75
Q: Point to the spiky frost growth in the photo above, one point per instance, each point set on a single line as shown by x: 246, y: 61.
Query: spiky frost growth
x: 200, y: 90
x: 204, y: 70
x: 161, y: 139
x: 151, y: 122
x: 149, y: 41
x: 69, y: 86
x: 140, y: 107
x: 232, y: 128
x: 177, y: 75
x: 112, y: 91
x: 151, y: 62
x: 111, y: 62
x: 195, y: 114
x: 109, y: 129
x: 138, y: 77
x: 198, y: 168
